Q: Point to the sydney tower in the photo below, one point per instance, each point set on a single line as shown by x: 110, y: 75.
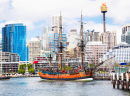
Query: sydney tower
x: 104, y: 10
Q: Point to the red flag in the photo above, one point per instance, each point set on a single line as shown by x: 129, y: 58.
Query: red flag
x: 35, y: 62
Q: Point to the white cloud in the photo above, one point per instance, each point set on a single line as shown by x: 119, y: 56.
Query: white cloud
x: 36, y: 10
x: 30, y: 25
x: 119, y: 10
x: 32, y: 11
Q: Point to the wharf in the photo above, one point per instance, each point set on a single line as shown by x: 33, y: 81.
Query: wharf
x: 102, y: 76
x: 122, y: 79
x: 21, y: 76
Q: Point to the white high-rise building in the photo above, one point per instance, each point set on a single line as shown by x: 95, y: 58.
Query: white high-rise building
x: 34, y: 48
x: 55, y: 23
x: 45, y: 37
x: 72, y: 39
x: 120, y: 51
x: 55, y: 28
x: 109, y: 39
x: 125, y: 37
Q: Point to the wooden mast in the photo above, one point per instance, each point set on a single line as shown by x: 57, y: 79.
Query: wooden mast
x: 82, y: 43
x: 61, y: 40
x: 50, y: 55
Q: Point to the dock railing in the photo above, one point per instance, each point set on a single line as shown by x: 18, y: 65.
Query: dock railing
x: 102, y: 76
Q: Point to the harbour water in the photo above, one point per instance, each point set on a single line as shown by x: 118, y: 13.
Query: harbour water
x: 35, y: 86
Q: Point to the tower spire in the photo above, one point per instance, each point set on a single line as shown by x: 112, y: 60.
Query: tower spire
x: 104, y: 10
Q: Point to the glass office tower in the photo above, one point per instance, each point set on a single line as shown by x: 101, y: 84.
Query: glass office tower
x: 54, y: 40
x: 14, y: 39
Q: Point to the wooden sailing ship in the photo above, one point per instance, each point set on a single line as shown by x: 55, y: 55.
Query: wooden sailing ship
x: 82, y: 74
x: 64, y: 75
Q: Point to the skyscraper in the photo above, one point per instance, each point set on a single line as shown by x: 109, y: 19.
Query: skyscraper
x: 92, y: 36
x: 34, y: 48
x: 54, y: 39
x: 114, y: 33
x: 45, y: 38
x: 14, y: 40
x: 55, y: 23
x: 54, y: 35
x: 72, y: 39
x: 109, y: 39
x: 125, y: 37
x: 95, y: 51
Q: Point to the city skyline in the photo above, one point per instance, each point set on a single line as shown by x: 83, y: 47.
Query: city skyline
x: 37, y: 13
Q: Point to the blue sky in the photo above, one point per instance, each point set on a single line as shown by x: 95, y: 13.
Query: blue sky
x: 36, y: 14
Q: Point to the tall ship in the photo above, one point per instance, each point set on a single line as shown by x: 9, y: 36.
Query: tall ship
x: 82, y: 73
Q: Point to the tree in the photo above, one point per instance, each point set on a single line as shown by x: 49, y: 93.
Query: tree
x: 30, y: 66
x: 91, y: 65
x: 66, y: 68
x: 31, y: 70
x: 21, y: 71
x: 23, y: 67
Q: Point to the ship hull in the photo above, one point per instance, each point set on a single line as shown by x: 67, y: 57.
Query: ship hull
x: 76, y: 76
x: 66, y: 78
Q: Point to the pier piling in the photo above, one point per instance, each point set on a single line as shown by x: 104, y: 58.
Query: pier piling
x: 114, y: 81
x: 121, y: 79
x: 118, y: 83
x: 127, y: 81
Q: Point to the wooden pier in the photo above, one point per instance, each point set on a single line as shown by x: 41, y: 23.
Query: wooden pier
x: 102, y: 77
x: 122, y: 79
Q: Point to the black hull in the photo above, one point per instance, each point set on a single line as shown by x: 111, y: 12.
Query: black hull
x: 3, y: 78
x: 66, y: 78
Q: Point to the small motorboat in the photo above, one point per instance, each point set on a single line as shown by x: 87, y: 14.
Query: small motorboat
x: 4, y: 77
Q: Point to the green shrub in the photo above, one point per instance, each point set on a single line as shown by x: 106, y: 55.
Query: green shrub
x: 31, y: 70
x: 23, y: 67
x: 21, y: 71
x: 66, y: 68
x: 91, y: 65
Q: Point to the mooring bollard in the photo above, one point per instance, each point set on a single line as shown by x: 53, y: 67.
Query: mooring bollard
x: 127, y: 81
x: 122, y: 81
x: 114, y: 80
x: 118, y: 83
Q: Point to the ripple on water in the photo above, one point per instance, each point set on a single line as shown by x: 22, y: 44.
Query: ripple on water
x: 34, y: 86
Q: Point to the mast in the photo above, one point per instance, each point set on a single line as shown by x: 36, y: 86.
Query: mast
x: 50, y: 55
x: 82, y: 45
x: 81, y: 25
x: 82, y: 40
x: 61, y: 39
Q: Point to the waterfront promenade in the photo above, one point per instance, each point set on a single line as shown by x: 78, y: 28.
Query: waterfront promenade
x: 35, y: 86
